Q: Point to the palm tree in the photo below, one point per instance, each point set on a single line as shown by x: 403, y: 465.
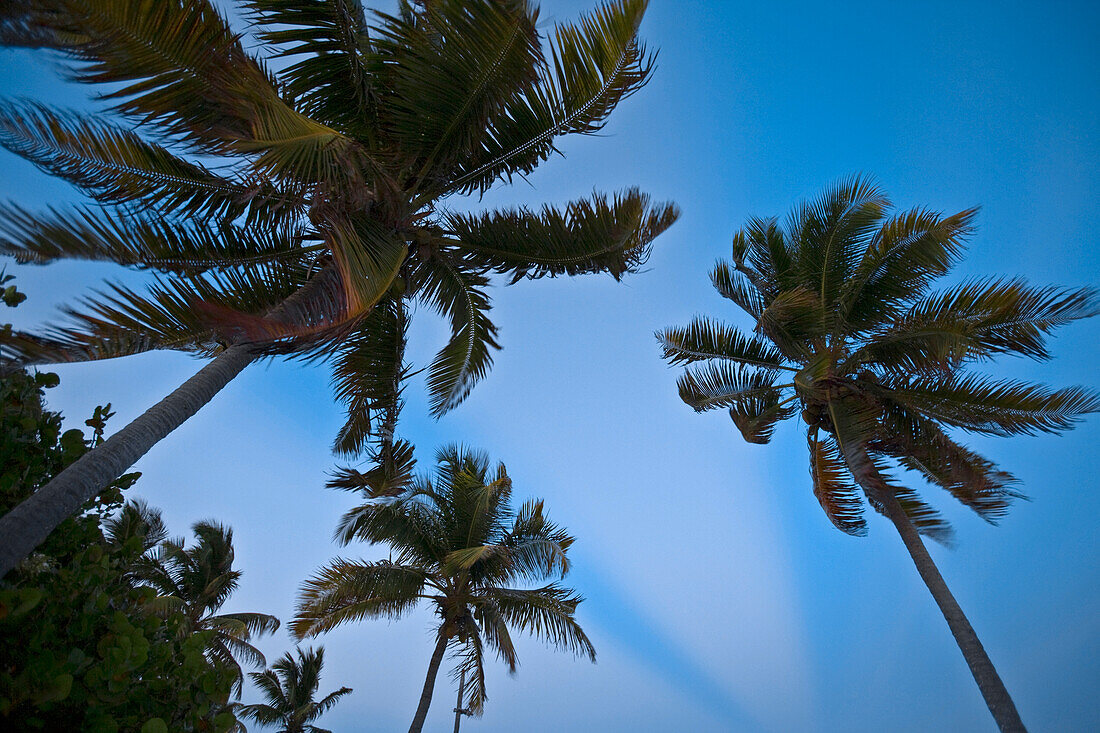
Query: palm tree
x: 457, y: 543
x: 879, y: 366
x: 296, y: 213
x: 197, y: 581
x: 289, y: 687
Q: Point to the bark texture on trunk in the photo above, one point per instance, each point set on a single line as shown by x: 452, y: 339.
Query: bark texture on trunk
x: 985, y: 674
x: 27, y: 525
x: 429, y: 685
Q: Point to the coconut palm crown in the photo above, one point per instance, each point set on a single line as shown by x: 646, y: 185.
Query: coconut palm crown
x: 849, y: 333
x: 456, y: 543
x: 289, y: 687
x: 299, y: 210
x: 197, y: 581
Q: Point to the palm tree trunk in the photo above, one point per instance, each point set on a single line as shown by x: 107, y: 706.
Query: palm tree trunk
x: 458, y: 705
x: 989, y: 682
x: 27, y: 525
x: 429, y: 685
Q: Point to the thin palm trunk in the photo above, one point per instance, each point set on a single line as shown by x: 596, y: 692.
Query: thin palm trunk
x: 985, y: 674
x: 27, y: 525
x: 429, y: 685
x: 458, y: 705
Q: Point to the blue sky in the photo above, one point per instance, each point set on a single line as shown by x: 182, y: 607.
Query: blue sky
x: 719, y: 596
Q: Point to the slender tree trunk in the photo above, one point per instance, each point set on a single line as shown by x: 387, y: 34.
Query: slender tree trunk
x: 27, y: 525
x: 429, y: 685
x: 458, y: 705
x: 989, y: 682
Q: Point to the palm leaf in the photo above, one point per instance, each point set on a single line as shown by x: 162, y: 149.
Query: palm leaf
x: 457, y: 294
x: 121, y: 322
x: 838, y: 496
x: 333, y: 83
x: 997, y: 407
x: 906, y: 254
x: 406, y: 525
x: 738, y: 284
x: 367, y: 375
x: 706, y: 339
x: 546, y: 613
x: 390, y: 474
x: 141, y: 241
x: 117, y: 166
x: 450, y: 70
x: 977, y: 320
x: 919, y: 444
x: 590, y: 235
x: 594, y: 65
x: 345, y: 591
x: 723, y: 384
x: 471, y: 667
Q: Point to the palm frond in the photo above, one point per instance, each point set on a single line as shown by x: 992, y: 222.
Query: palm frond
x: 117, y: 166
x: 120, y: 321
x: 367, y: 374
x: 471, y: 667
x: 706, y: 339
x: 451, y: 70
x: 547, y: 613
x: 494, y: 629
x: 457, y: 294
x: 757, y: 414
x: 590, y: 235
x: 920, y: 445
x: 389, y: 475
x: 136, y: 519
x: 907, y: 253
x: 838, y: 496
x: 736, y: 283
x: 344, y: 591
x: 368, y: 257
x: 996, y: 407
x: 411, y: 527
x: 253, y: 624
x: 142, y: 241
x: 724, y: 384
x: 830, y: 234
x: 761, y: 248
x: 333, y: 83
x: 977, y: 320
x: 27, y: 24
x: 594, y: 65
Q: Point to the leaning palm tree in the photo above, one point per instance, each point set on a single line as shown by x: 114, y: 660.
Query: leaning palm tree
x: 457, y: 543
x: 289, y: 687
x: 197, y: 581
x: 298, y: 212
x: 880, y: 367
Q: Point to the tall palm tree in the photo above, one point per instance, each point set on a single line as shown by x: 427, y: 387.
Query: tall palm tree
x: 297, y: 212
x: 289, y: 687
x: 848, y: 330
x: 457, y: 543
x: 197, y: 581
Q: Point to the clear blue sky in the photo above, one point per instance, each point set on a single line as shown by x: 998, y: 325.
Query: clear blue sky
x: 719, y: 596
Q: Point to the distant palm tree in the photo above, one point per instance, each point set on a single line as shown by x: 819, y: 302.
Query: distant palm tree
x: 197, y: 581
x: 878, y: 365
x: 458, y: 544
x: 289, y: 687
x: 297, y: 212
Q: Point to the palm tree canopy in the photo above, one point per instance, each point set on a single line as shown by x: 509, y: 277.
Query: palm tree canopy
x: 457, y: 542
x: 240, y: 186
x: 197, y: 581
x: 849, y: 330
x: 289, y: 687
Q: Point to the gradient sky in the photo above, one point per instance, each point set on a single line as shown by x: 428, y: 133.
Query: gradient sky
x: 719, y: 596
